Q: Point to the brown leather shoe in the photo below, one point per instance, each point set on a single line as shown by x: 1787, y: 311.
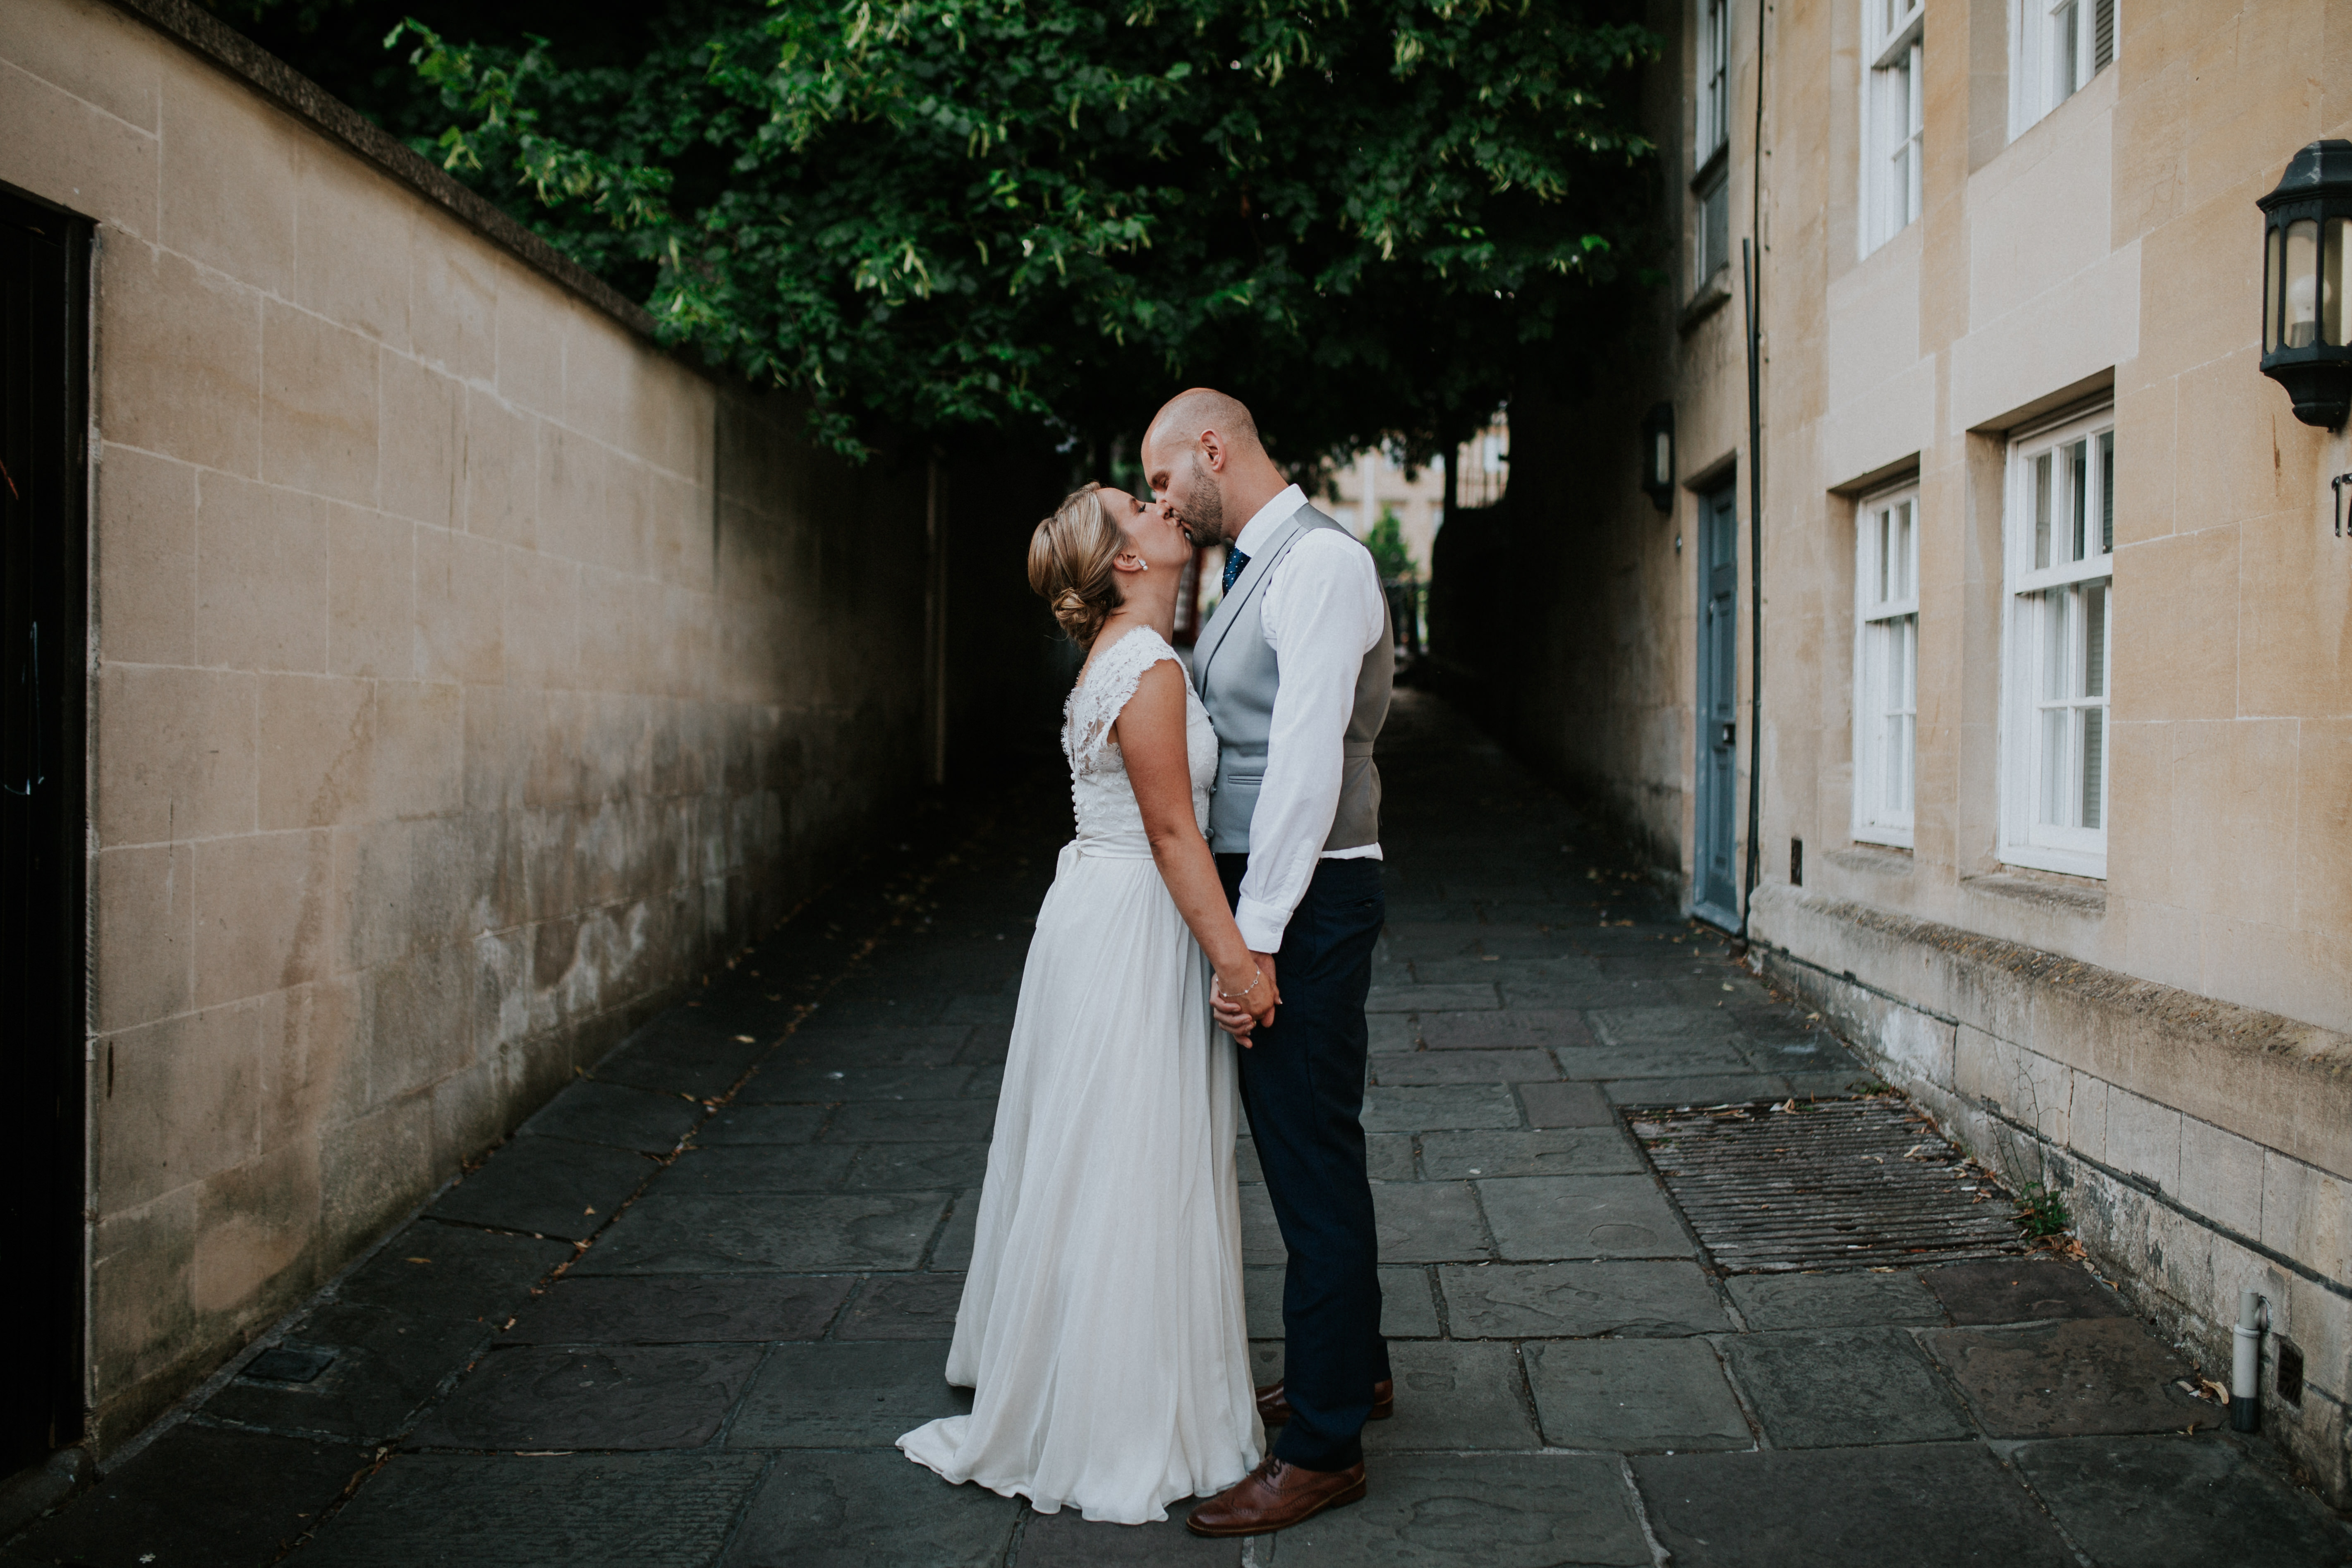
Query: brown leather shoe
x: 1277, y: 1496
x: 1274, y: 1409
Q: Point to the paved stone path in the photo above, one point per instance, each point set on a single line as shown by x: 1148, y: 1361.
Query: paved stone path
x: 680, y: 1317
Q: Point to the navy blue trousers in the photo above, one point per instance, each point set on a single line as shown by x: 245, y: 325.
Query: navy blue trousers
x: 1303, y: 1088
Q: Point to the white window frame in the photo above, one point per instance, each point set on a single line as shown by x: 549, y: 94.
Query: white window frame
x: 2055, y: 48
x: 1710, y: 234
x: 2051, y: 601
x: 1712, y: 84
x: 1885, y: 665
x: 1893, y: 117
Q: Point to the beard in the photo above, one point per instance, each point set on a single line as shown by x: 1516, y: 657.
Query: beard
x: 1204, y: 509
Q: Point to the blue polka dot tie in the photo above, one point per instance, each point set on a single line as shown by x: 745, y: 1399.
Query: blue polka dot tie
x: 1234, y: 561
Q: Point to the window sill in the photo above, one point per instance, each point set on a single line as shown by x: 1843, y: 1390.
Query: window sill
x: 1712, y: 296
x: 1878, y: 859
x: 2066, y: 894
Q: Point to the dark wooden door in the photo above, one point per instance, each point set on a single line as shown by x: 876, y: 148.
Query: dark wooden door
x: 44, y: 422
x: 1715, y: 894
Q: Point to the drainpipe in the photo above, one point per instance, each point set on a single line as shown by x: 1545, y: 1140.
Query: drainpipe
x: 1754, y: 590
x: 1751, y: 264
x: 2246, y: 1363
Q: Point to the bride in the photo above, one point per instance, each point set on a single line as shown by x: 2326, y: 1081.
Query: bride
x: 1101, y: 1325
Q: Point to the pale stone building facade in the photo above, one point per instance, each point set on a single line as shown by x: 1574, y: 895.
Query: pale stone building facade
x: 465, y: 673
x: 1374, y: 483
x: 2056, y: 748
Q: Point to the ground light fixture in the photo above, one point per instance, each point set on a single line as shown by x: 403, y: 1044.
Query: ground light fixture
x: 1658, y: 455
x: 2308, y: 283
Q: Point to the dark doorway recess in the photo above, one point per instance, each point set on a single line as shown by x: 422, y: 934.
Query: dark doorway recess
x: 43, y: 507
x: 1715, y: 889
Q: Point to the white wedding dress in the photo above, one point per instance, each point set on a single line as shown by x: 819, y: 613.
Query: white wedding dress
x: 1101, y: 1326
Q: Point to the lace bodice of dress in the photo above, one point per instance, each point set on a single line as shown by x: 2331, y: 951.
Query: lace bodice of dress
x: 1110, y: 820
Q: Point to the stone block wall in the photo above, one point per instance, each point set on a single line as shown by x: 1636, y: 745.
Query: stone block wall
x: 2202, y: 1149
x: 467, y: 672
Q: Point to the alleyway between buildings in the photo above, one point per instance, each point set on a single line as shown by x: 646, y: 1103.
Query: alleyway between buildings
x: 680, y: 1318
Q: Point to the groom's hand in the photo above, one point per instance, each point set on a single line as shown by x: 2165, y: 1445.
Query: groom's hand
x: 1239, y: 1021
x: 1273, y: 991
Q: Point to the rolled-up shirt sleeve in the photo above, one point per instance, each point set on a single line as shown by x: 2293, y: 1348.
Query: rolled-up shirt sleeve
x: 1323, y: 612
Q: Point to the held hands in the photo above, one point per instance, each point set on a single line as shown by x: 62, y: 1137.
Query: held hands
x: 1243, y: 1000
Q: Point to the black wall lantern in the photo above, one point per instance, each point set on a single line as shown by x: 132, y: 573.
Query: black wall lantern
x: 1658, y: 455
x: 2306, y: 279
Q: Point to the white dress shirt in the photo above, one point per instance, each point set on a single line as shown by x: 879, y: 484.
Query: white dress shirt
x: 1322, y: 611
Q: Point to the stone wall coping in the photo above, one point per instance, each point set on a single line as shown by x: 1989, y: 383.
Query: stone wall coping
x: 231, y: 51
x: 2283, y: 1083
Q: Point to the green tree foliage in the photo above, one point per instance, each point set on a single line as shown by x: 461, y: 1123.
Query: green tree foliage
x: 1368, y: 218
x: 1386, y: 542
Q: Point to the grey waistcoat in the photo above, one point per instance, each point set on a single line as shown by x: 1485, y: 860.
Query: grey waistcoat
x: 1237, y: 675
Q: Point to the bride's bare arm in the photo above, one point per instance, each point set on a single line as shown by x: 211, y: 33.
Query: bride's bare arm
x: 1151, y: 732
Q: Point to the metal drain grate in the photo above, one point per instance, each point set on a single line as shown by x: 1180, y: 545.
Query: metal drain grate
x: 1845, y: 1184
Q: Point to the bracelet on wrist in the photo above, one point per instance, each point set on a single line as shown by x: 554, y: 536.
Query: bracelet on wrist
x: 1237, y: 995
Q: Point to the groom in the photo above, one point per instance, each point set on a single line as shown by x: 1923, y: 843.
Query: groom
x: 1295, y: 670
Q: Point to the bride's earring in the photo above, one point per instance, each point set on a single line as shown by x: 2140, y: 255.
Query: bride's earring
x: 1137, y: 562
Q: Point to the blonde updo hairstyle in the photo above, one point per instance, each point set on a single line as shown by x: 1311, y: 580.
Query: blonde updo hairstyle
x: 1069, y: 563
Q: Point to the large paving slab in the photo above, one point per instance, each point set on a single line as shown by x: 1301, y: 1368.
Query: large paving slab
x: 917, y: 1167
x: 1451, y: 1105
x: 200, y: 1494
x: 953, y: 1248
x: 1574, y: 1300
x: 1456, y: 998
x: 846, y: 1395
x: 1835, y: 1389
x: 680, y: 1309
x: 1936, y: 1505
x: 680, y: 1053
x: 1727, y: 1088
x: 871, y: 1509
x: 1066, y: 1540
x: 763, y: 1124
x: 1435, y: 1067
x: 2070, y: 1379
x: 587, y: 1111
x: 2159, y: 1502
x: 904, y: 1306
x: 1515, y: 1028
x: 1686, y: 1058
x: 547, y: 1186
x: 823, y: 1044
x: 1553, y: 1106
x: 2019, y: 1291
x: 1408, y: 1309
x: 770, y: 1232
x: 1511, y: 973
x: 1543, y: 1217
x: 451, y: 1273
x: 1863, y: 1299
x: 819, y: 1085
x: 1635, y: 1396
x: 598, y: 1396
x: 1602, y: 1151
x: 758, y: 1168
x: 1453, y: 1395
x: 918, y: 1121
x: 581, y: 1511
x: 1662, y: 1028
x: 386, y: 1366
x: 1428, y: 1222
x: 1482, y: 1510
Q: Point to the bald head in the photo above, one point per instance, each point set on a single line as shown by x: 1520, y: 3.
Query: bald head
x: 1202, y: 457
x: 1201, y: 411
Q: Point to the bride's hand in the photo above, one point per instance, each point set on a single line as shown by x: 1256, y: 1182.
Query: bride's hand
x: 1239, y: 1000
x: 1263, y: 1004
